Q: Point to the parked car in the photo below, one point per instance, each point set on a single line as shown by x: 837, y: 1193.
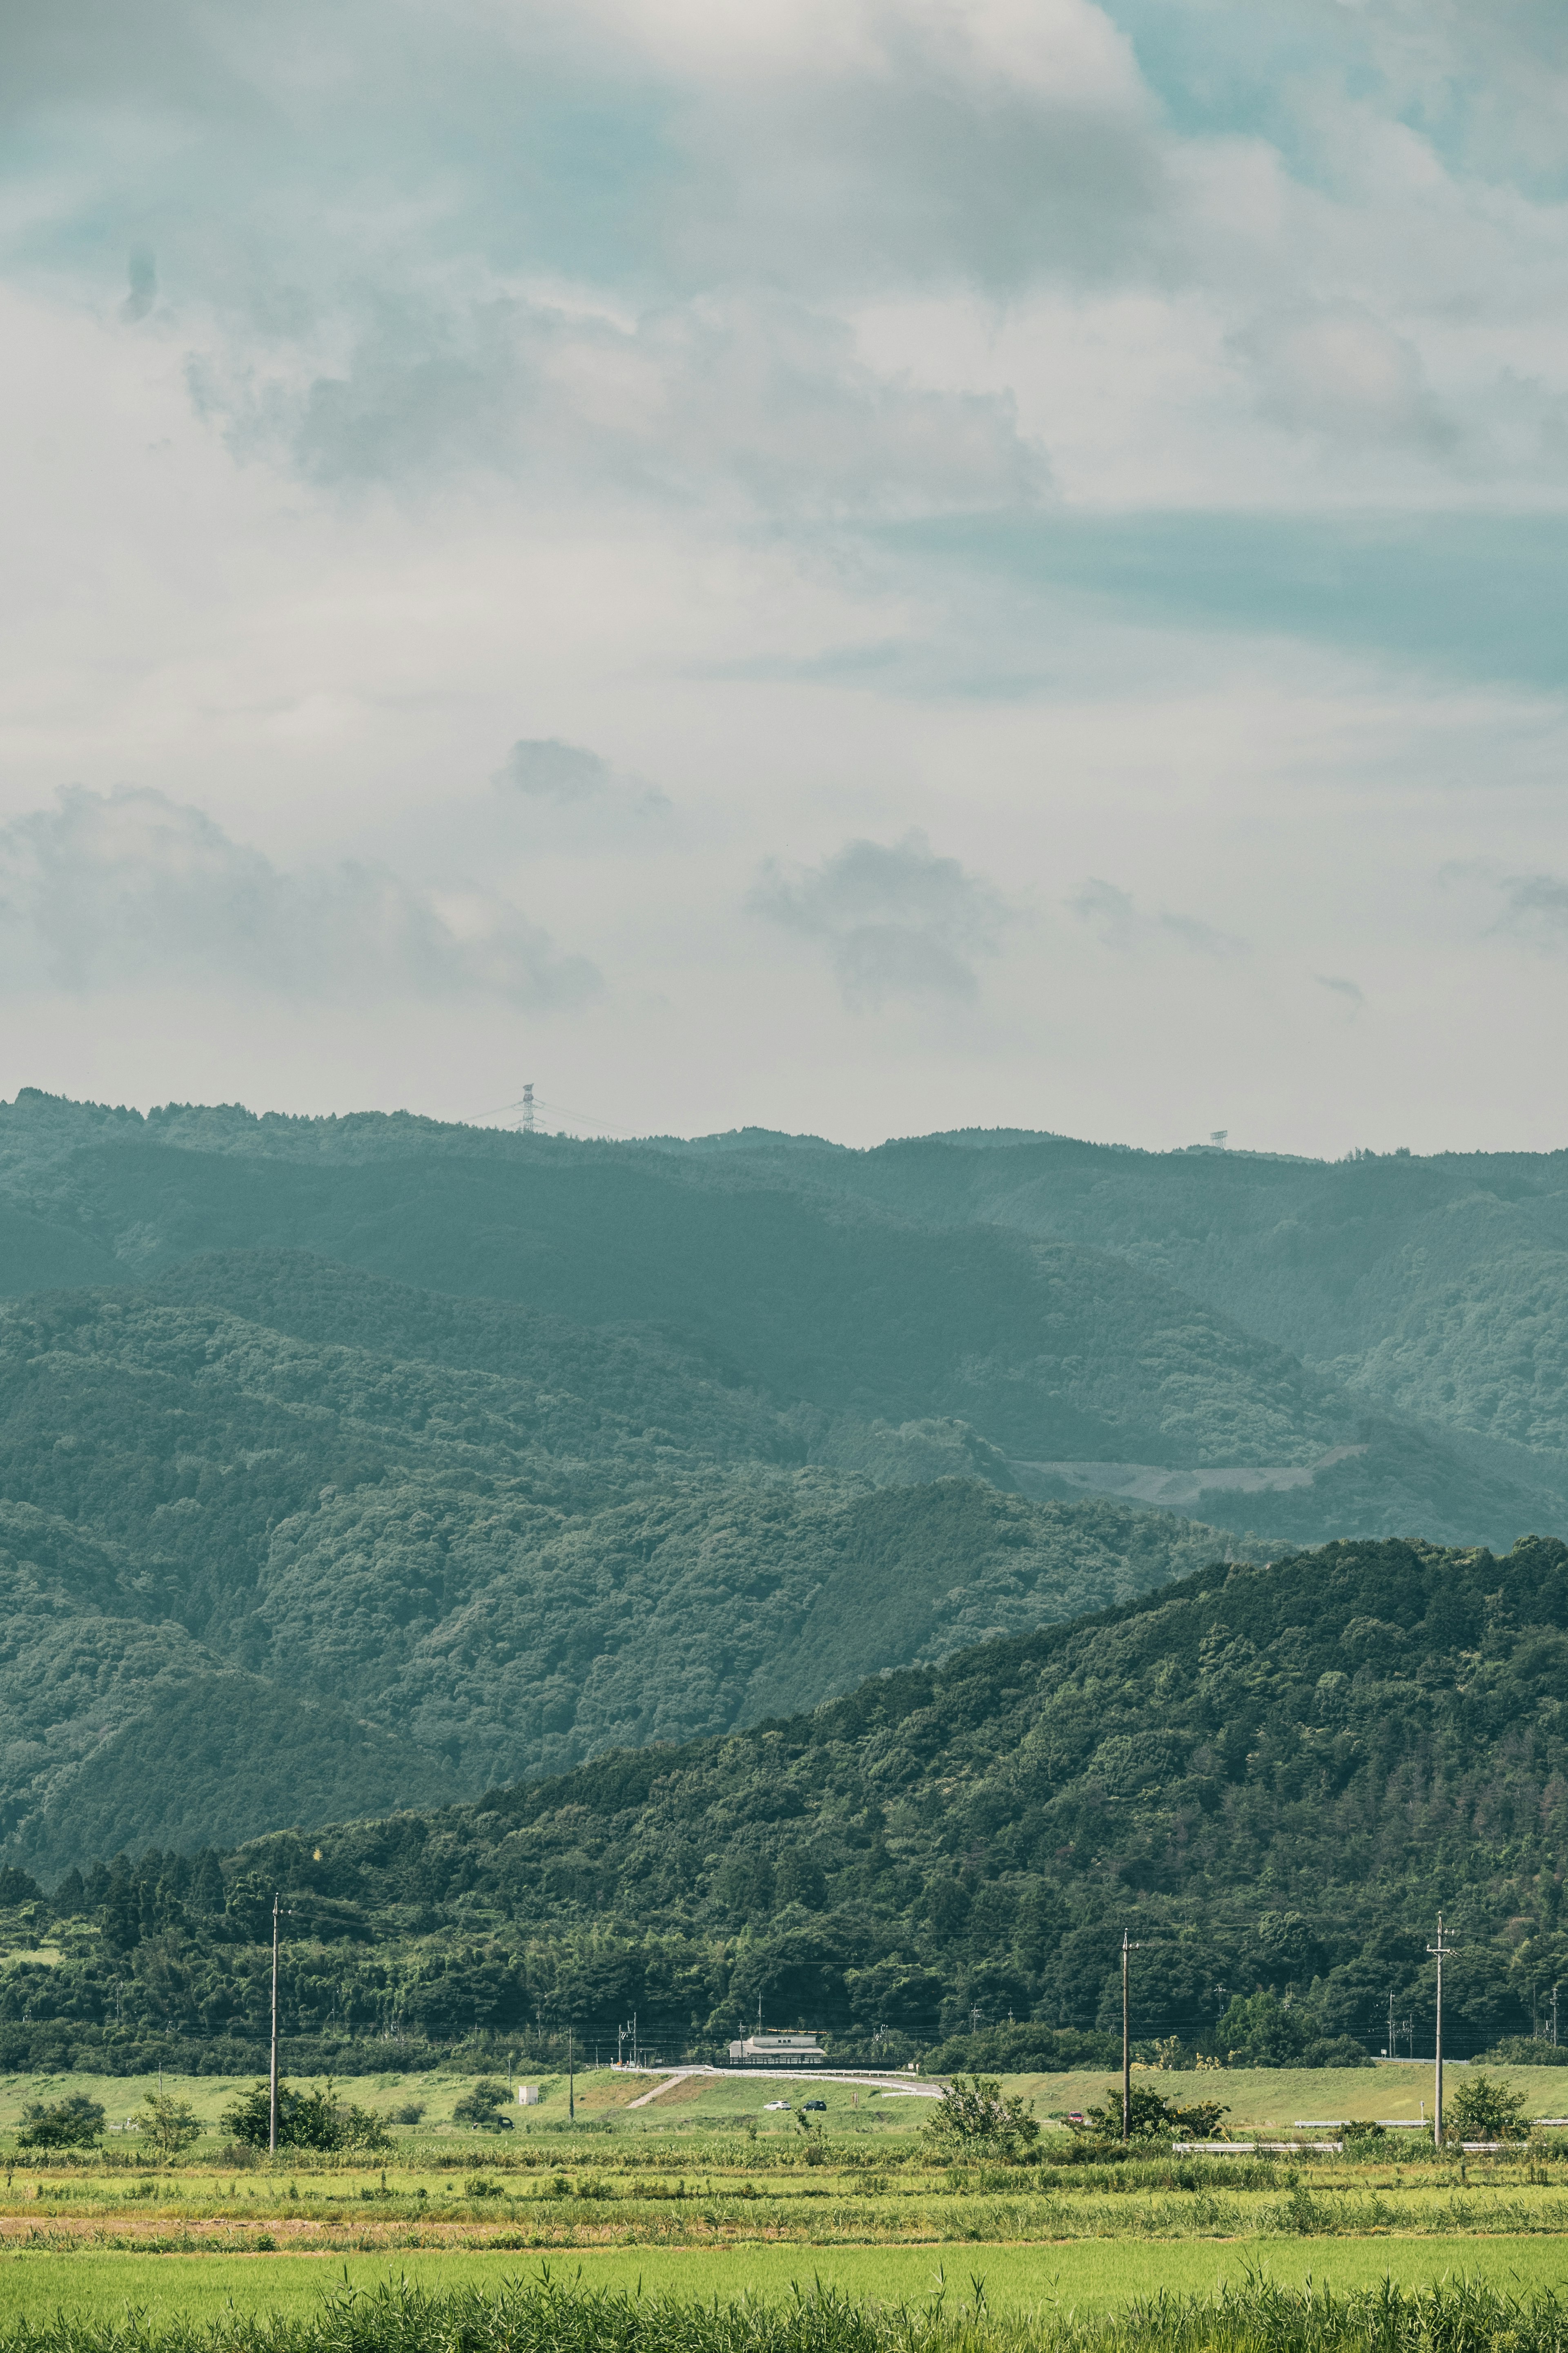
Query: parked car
x: 768, y: 2106
x: 815, y: 2104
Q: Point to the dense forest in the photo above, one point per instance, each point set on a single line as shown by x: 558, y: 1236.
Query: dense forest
x: 362, y: 1463
x: 250, y: 1576
x: 1274, y: 1777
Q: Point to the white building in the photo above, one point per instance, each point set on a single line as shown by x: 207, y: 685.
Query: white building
x: 778, y: 2050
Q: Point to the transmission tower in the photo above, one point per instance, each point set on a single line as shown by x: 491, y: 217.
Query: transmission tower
x: 527, y: 1109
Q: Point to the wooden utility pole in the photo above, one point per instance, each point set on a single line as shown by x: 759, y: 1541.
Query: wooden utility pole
x: 272, y: 2123
x: 1126, y: 2042
x: 571, y: 2081
x: 1439, y: 1952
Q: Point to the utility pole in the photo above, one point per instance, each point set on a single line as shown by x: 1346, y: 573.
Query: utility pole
x: 1554, y: 2018
x: 1392, y: 2051
x: 571, y: 2081
x: 1128, y: 1948
x: 1439, y: 1952
x: 272, y: 2120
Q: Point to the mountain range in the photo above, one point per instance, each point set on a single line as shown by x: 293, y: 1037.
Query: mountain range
x: 361, y: 1462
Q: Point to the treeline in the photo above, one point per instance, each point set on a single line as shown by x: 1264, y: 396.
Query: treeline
x: 1274, y: 1778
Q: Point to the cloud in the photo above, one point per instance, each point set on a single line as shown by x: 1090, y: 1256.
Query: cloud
x: 109, y: 890
x: 1353, y: 998
x: 897, y: 919
x: 575, y: 798
x: 544, y: 768
x: 1123, y: 925
x: 142, y: 271
x: 732, y: 397
x: 1343, y: 371
x: 1536, y: 906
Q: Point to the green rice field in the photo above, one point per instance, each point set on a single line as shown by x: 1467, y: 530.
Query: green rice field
x: 1093, y: 2277
x: 709, y: 2191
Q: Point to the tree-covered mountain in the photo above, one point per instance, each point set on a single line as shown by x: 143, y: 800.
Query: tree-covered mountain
x: 1275, y: 1778
x: 1435, y: 1286
x: 250, y: 1576
x: 470, y: 1454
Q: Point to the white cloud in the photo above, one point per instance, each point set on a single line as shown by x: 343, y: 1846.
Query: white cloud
x: 740, y: 401
x: 544, y: 768
x: 128, y: 888
x: 1124, y: 926
x: 1341, y: 371
x: 897, y: 919
x: 1535, y: 907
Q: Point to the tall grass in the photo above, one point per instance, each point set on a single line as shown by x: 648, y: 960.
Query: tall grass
x: 551, y: 2316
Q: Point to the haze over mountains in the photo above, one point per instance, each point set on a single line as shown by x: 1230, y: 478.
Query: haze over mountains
x: 355, y: 1462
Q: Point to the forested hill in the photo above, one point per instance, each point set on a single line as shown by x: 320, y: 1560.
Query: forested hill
x: 250, y: 1574
x: 1303, y: 1350
x: 1436, y: 1284
x: 353, y: 1463
x: 1274, y: 1777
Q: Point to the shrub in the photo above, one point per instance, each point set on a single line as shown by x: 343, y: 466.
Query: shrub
x: 481, y: 2105
x: 1336, y: 2051
x: 1150, y: 2118
x: 1527, y: 2051
x: 170, y: 2125
x: 1484, y: 2110
x: 75, y: 2122
x: 313, y: 2119
x: 973, y: 2119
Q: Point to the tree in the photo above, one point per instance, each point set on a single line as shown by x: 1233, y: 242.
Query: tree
x: 121, y: 1915
x: 1261, y: 2030
x: 973, y: 2119
x: 480, y: 2106
x: 248, y: 2116
x: 1484, y: 2110
x: 75, y: 2122
x: 170, y: 2125
x: 1150, y: 2118
x: 313, y: 2119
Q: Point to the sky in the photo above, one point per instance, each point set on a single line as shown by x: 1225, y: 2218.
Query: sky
x: 858, y: 566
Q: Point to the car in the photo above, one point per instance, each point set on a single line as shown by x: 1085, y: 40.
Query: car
x: 815, y: 2104
x: 769, y: 2106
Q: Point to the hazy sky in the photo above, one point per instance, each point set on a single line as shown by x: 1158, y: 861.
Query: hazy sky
x: 858, y: 567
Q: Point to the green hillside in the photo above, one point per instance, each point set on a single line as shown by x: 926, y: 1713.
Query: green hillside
x: 1275, y: 1778
x: 451, y: 1568
x: 1436, y: 1287
x: 473, y: 1455
x: 1074, y: 1304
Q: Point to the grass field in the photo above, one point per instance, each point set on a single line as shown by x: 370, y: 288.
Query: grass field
x: 1258, y: 2099
x: 1093, y: 2277
x: 703, y: 2192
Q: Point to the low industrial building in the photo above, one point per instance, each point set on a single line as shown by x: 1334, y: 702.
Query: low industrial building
x: 778, y: 2050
